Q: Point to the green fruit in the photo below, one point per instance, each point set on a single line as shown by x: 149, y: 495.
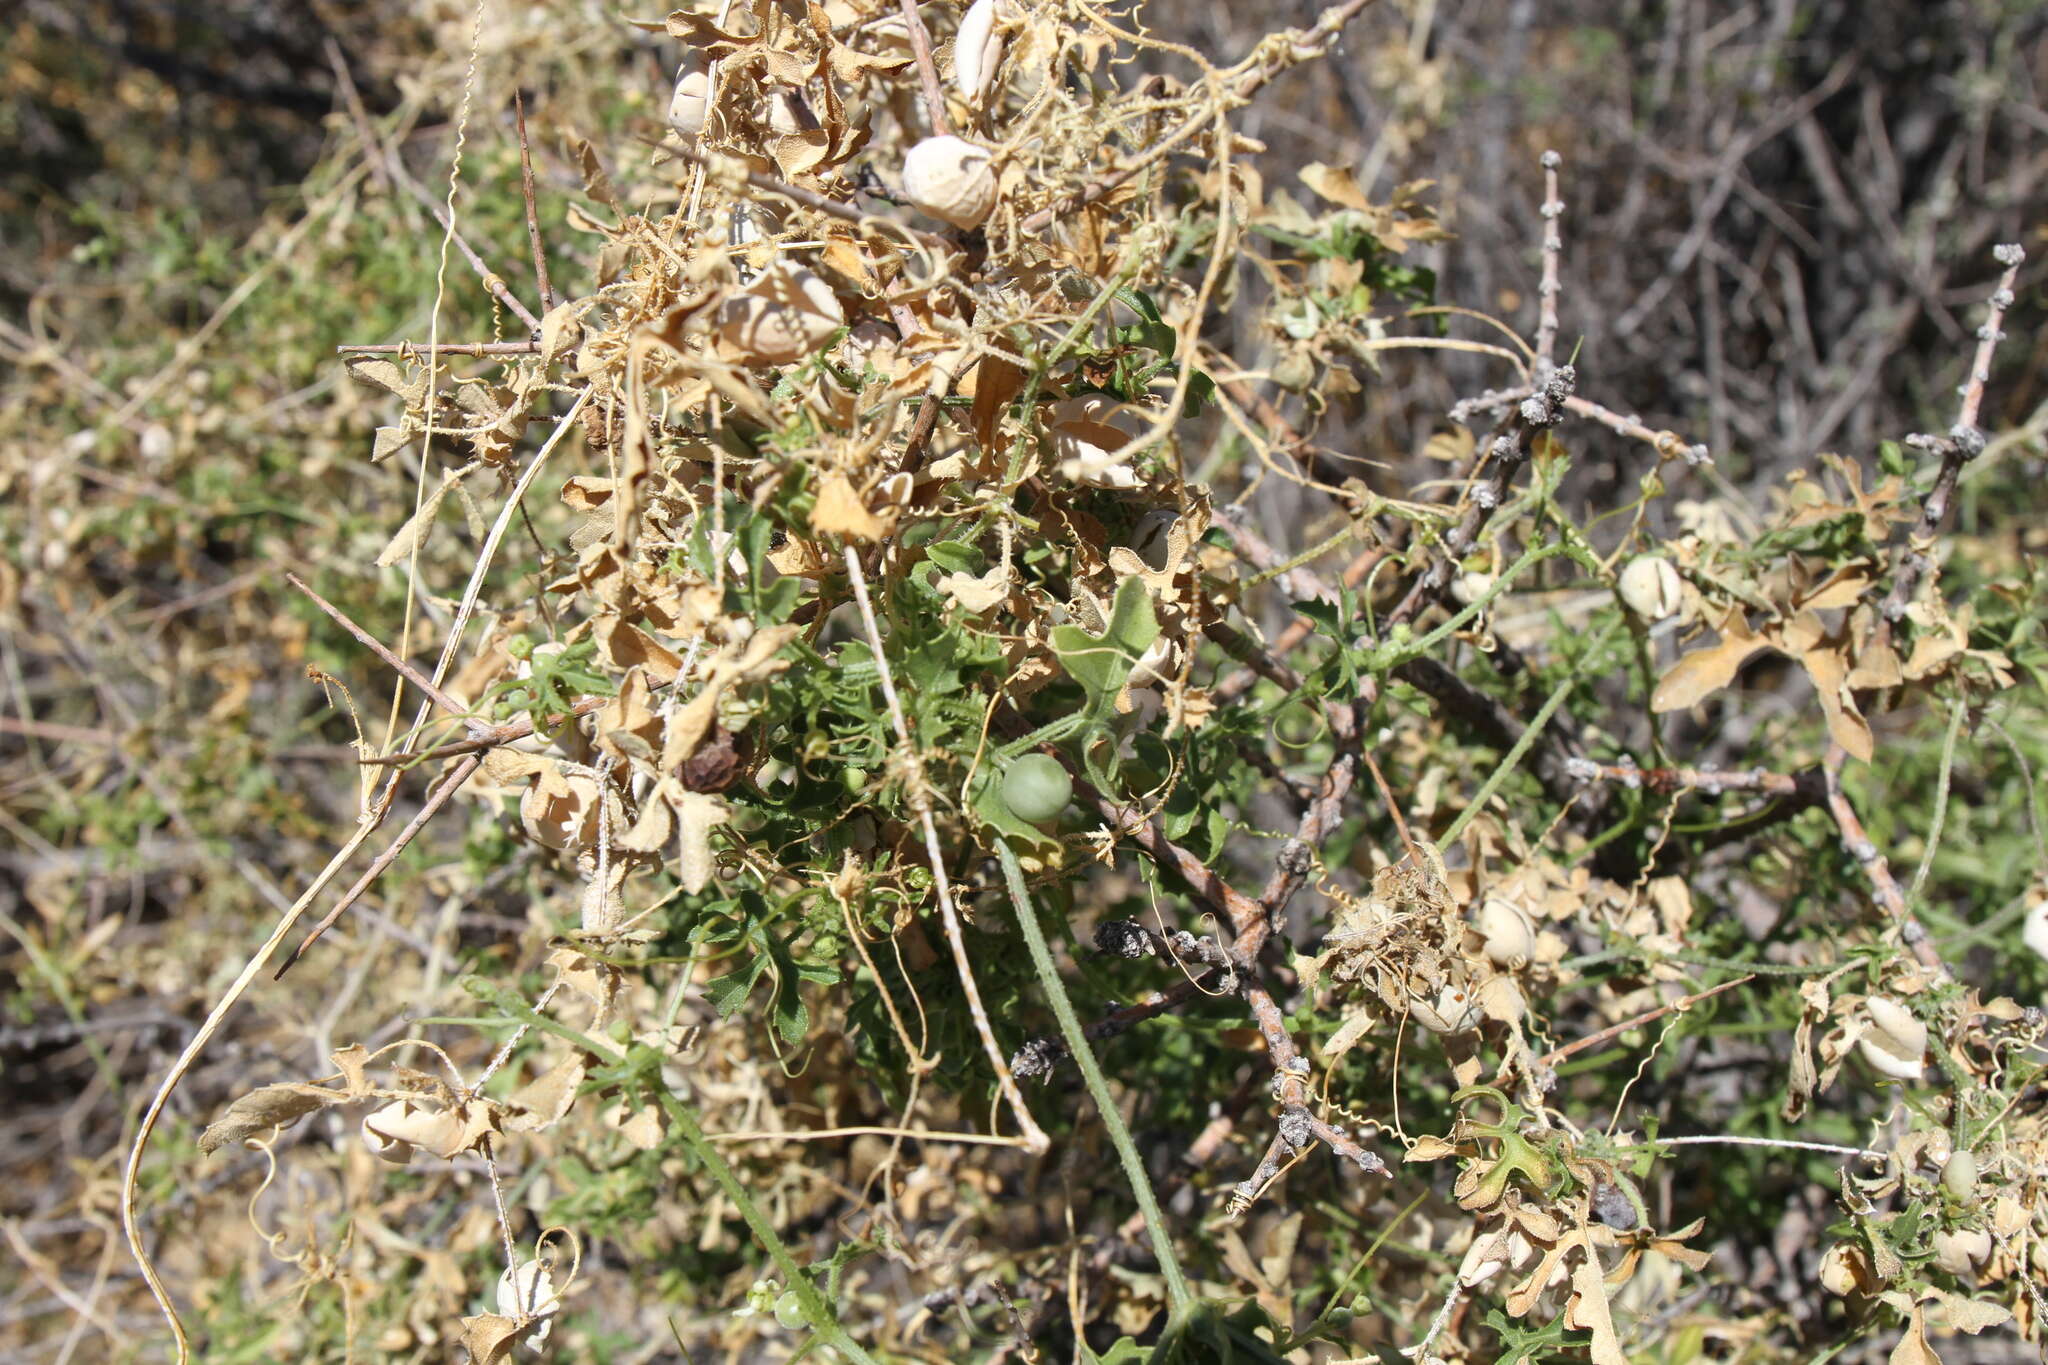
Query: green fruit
x: 1959, y: 1176
x: 1036, y: 788
x: 789, y: 1310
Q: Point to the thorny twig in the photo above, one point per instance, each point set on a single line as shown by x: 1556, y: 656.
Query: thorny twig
x: 1963, y: 443
x: 1553, y: 247
x: 1708, y: 781
x: 1859, y: 846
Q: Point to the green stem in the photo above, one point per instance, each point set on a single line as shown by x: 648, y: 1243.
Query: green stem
x: 1528, y: 740
x: 1051, y: 733
x: 1177, y: 1293
x: 1504, y: 580
x: 817, y: 1311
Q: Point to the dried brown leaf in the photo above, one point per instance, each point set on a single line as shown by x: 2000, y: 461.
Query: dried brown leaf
x: 266, y: 1110
x: 840, y: 511
x: 1707, y: 670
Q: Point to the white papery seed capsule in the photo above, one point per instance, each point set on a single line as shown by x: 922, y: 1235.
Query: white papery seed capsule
x: 1649, y: 585
x: 2034, y: 929
x: 785, y: 315
x: 1896, y: 1042
x: 1962, y: 1250
x: 690, y: 102
x: 977, y: 50
x: 1509, y: 934
x: 950, y: 178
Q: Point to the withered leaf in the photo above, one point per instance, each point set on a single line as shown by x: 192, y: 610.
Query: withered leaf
x: 595, y: 182
x: 996, y: 382
x: 1338, y: 184
x: 489, y: 1338
x: 1825, y: 665
x: 840, y: 511
x: 266, y: 1110
x: 546, y: 1098
x: 1913, y: 1348
x: 717, y: 762
x: 1587, y: 1308
x: 1429, y: 1147
x: 1707, y: 670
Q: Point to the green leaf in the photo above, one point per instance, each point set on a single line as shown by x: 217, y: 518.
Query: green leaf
x: 957, y: 556
x: 730, y: 991
x: 1102, y: 663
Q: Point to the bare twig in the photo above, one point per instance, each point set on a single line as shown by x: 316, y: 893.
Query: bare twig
x: 1553, y: 247
x: 540, y: 254
x: 927, y: 69
x: 1556, y: 1055
x: 405, y: 670
x: 1859, y: 846
x: 1239, y: 84
x: 436, y: 799
x: 358, y: 115
x: 444, y: 348
x: 796, y: 194
x: 393, y: 170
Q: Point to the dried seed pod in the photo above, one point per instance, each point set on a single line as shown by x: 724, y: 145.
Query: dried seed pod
x: 1962, y: 1251
x: 1483, y: 1259
x: 1087, y: 433
x: 1160, y: 663
x: 950, y: 178
x: 977, y: 50
x: 1510, y: 935
x: 1151, y: 538
x: 691, y: 102
x: 1896, y: 1042
x: 717, y: 762
x: 785, y: 315
x: 561, y: 813
x: 402, y: 1124
x: 526, y: 1292
x: 1453, y: 1011
x: 1846, y: 1270
x: 1469, y: 587
x: 378, y: 1138
x: 1650, y: 587
x: 1501, y: 999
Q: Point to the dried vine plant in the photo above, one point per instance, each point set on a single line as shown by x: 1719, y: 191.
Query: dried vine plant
x: 898, y: 601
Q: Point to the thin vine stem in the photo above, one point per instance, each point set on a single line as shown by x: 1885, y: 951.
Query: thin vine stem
x: 1177, y: 1292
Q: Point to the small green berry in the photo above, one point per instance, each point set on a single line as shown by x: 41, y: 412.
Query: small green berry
x: 1036, y: 788
x: 1959, y: 1176
x: 789, y: 1310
